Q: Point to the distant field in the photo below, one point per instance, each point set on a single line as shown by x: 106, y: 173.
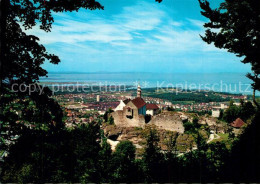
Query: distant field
x: 223, y: 136
x: 199, y: 97
x: 183, y: 102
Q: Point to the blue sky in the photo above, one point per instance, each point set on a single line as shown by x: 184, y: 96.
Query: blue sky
x: 136, y: 36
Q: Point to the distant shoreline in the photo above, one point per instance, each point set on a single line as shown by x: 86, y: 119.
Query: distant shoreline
x: 204, y: 73
x: 234, y: 83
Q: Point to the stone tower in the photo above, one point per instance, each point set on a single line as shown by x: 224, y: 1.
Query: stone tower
x: 139, y: 91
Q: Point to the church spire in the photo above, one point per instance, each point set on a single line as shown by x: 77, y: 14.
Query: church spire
x: 139, y: 91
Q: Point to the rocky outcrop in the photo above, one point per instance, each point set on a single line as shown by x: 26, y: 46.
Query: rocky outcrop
x: 208, y: 120
x: 171, y: 121
x: 112, y: 132
x: 185, y: 142
x: 213, y: 123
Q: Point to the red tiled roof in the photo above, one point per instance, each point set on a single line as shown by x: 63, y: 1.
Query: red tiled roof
x: 138, y: 102
x: 151, y: 106
x: 237, y: 123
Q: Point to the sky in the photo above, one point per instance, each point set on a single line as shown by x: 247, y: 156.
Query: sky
x: 136, y: 36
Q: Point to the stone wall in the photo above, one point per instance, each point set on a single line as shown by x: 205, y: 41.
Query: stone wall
x: 168, y: 121
x: 121, y: 120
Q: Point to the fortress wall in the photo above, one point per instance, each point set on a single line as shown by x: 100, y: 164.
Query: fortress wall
x: 168, y: 121
x: 121, y: 120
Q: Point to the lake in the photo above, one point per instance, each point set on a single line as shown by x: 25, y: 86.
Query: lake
x: 222, y: 82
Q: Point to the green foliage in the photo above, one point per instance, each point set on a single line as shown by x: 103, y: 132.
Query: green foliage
x: 185, y: 142
x: 111, y: 120
x: 243, y: 164
x: 231, y: 114
x: 193, y: 127
x: 124, y: 162
x: 189, y: 127
x: 66, y: 156
x: 234, y: 26
x: 221, y: 114
x: 105, y: 161
x: 171, y: 143
x: 245, y: 111
x: 21, y: 62
x: 107, y: 113
x: 152, y: 157
x: 126, y: 149
x: 195, y: 122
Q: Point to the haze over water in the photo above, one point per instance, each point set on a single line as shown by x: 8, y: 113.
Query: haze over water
x: 223, y: 82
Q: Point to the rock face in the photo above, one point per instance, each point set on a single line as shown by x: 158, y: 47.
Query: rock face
x: 138, y: 137
x: 214, y: 124
x: 171, y: 121
x: 168, y: 125
x: 113, y: 144
x: 208, y: 120
x: 168, y: 121
x: 112, y: 132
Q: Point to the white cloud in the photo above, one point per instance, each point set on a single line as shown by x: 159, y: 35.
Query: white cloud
x: 142, y: 30
x: 197, y: 23
x: 142, y: 16
x: 119, y: 28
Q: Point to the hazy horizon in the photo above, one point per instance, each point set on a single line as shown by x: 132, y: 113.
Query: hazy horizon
x: 140, y: 72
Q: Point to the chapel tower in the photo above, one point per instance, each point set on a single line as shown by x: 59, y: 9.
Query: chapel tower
x: 139, y: 91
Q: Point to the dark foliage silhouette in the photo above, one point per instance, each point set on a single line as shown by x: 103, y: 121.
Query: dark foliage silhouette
x: 234, y: 26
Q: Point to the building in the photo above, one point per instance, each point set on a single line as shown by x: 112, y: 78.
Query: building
x: 223, y: 106
x: 135, y: 107
x: 215, y: 112
x: 238, y: 123
x: 98, y: 98
x: 152, y: 109
x: 131, y: 112
x: 120, y: 106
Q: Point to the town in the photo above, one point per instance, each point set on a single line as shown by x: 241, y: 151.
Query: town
x: 88, y: 106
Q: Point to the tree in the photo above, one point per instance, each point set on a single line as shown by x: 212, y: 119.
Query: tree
x: 111, y: 120
x: 243, y: 164
x: 217, y: 156
x: 123, y: 160
x: 66, y: 156
x: 107, y: 114
x: 85, y: 147
x: 153, y: 158
x: 195, y: 122
x: 234, y: 26
x: 171, y: 158
x: 105, y: 161
x: 232, y: 113
x: 21, y: 60
x: 197, y: 162
x: 247, y: 110
x: 221, y: 114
